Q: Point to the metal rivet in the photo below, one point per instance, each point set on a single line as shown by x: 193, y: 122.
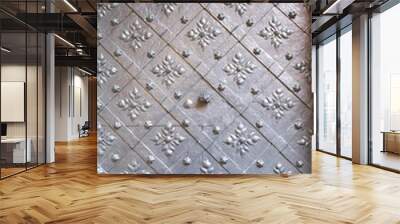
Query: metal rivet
x: 169, y: 152
x: 249, y: 22
x: 296, y: 88
x: 150, y: 86
x: 148, y: 124
x: 254, y: 91
x: 221, y: 16
x: 289, y: 56
x: 206, y: 163
x: 216, y: 130
x: 257, y: 51
x: 186, y: 123
x: 184, y: 19
x: 150, y: 159
x: 118, y: 52
x: 259, y: 163
x: 299, y: 163
x: 116, y: 88
x: 298, y: 125
x: 187, y: 161
x: 151, y: 54
x: 186, y: 53
x: 292, y: 14
x: 115, y: 157
x: 99, y: 105
x: 99, y: 36
x: 221, y: 87
x: 149, y: 18
x: 224, y: 160
x: 178, y: 95
x: 259, y: 124
x: 117, y: 125
x: 115, y: 21
x: 188, y: 103
x: 111, y: 138
x: 205, y: 97
x: 217, y: 55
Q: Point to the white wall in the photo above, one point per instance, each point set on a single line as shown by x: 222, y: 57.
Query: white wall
x: 33, y: 126
x: 69, y: 112
x: 16, y: 73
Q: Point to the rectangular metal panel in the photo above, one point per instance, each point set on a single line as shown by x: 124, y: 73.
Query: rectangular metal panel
x: 217, y: 88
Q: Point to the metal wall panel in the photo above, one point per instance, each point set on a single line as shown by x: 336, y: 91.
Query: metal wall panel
x: 218, y: 88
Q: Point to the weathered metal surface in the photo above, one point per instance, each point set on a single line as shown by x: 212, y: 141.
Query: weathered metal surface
x: 204, y: 88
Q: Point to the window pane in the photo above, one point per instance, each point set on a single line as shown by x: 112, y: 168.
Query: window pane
x: 14, y: 153
x: 385, y: 84
x: 346, y: 94
x: 327, y: 96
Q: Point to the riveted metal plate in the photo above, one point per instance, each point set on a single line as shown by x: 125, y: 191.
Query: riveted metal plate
x: 217, y: 88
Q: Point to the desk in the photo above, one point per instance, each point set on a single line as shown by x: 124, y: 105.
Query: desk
x: 391, y: 141
x: 16, y: 147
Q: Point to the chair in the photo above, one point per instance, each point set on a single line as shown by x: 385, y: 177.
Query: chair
x: 84, y: 129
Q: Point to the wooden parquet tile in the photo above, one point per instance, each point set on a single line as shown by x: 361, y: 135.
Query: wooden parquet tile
x: 70, y: 191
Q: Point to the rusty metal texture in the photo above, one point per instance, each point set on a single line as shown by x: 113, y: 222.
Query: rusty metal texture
x: 217, y: 88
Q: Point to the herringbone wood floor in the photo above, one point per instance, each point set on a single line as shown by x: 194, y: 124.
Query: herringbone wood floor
x: 70, y: 191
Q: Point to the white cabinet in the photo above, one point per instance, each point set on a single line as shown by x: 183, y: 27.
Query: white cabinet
x: 19, y: 155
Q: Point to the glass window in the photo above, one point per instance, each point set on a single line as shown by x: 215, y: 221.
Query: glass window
x: 385, y: 89
x: 327, y: 96
x: 346, y: 93
x: 14, y: 153
x: 22, y: 77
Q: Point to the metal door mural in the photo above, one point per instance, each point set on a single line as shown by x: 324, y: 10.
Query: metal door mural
x: 219, y: 88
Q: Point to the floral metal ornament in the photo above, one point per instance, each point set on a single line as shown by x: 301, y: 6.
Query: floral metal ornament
x: 240, y: 8
x: 276, y: 32
x: 104, y: 71
x: 277, y: 103
x: 240, y: 68
x: 206, y: 167
x: 104, y: 9
x: 104, y: 140
x: 168, y: 70
x: 134, y: 103
x: 168, y: 138
x: 242, y: 139
x: 204, y: 33
x: 281, y: 170
x: 136, y: 34
x: 169, y: 8
x: 305, y: 140
x: 303, y: 68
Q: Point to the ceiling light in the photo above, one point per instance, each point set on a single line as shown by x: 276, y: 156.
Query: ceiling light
x: 64, y: 40
x: 5, y: 50
x: 70, y: 5
x: 84, y: 71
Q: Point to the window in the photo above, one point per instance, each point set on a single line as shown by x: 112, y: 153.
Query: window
x: 385, y: 90
x: 327, y: 96
x: 346, y: 93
